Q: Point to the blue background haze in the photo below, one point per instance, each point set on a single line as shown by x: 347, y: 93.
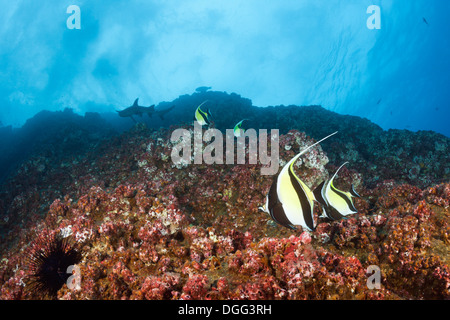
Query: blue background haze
x: 298, y: 52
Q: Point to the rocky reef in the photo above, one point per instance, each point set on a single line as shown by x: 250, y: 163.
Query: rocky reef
x: 148, y: 229
x: 417, y: 158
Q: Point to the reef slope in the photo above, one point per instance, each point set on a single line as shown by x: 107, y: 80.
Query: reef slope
x: 147, y: 229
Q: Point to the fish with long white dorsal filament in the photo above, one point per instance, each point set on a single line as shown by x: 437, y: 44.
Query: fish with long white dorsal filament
x: 201, y: 116
x: 336, y: 203
x: 290, y: 202
x: 238, y: 130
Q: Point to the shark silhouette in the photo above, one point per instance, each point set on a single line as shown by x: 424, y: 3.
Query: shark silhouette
x: 136, y: 109
x: 161, y: 113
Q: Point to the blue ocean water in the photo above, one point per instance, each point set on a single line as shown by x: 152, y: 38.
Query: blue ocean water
x: 73, y: 168
x: 302, y: 52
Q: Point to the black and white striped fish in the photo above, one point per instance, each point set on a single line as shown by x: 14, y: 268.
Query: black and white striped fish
x: 201, y: 116
x: 336, y: 203
x: 290, y: 202
x: 238, y: 130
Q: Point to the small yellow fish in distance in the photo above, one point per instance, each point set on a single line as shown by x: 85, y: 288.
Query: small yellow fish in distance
x: 238, y: 130
x: 201, y: 116
x: 336, y: 203
x: 290, y: 202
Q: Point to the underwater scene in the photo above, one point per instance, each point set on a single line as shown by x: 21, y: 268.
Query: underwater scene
x: 225, y: 150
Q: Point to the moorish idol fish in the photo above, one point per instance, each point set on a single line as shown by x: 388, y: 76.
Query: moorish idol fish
x: 238, y: 131
x: 336, y: 203
x: 202, y: 117
x: 290, y: 201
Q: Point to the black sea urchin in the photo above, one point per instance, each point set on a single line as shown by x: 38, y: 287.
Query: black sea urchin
x: 49, y: 259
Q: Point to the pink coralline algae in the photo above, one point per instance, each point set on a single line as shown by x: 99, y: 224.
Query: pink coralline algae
x: 147, y: 229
